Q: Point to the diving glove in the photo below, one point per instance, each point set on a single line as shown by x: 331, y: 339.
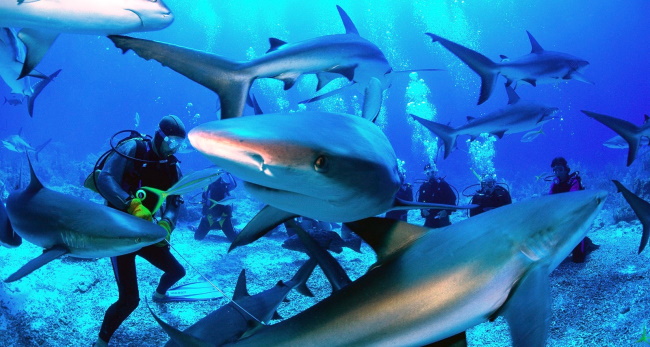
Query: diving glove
x: 167, y: 226
x: 137, y: 209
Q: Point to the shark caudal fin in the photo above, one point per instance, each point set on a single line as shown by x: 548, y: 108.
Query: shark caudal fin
x: 446, y: 133
x: 38, y: 88
x: 628, y: 131
x: 642, y: 210
x: 482, y: 65
x: 216, y: 73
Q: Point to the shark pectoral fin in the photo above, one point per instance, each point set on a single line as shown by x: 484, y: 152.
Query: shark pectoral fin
x: 528, y: 308
x: 580, y: 77
x: 642, y: 210
x: 179, y: 337
x: 264, y: 221
x: 386, y: 236
x: 372, y: 100
x: 513, y: 97
x: 499, y: 133
x: 324, y: 78
x: 37, y: 42
x: 47, y: 256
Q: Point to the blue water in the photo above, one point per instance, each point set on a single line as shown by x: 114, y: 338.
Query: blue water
x: 100, y: 90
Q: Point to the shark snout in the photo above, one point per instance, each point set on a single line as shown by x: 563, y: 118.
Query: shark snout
x: 153, y: 14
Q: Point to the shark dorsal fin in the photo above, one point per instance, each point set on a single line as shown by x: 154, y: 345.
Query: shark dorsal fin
x: 350, y: 28
x: 241, y: 290
x: 535, y: 47
x: 512, y: 95
x: 386, y: 236
x: 34, y: 183
x: 275, y: 44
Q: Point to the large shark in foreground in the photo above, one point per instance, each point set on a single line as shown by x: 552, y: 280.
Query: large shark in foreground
x: 429, y: 284
x: 540, y: 66
x: 12, y: 56
x: 325, y: 166
x: 43, y: 20
x: 344, y: 55
x: 65, y: 224
x: 632, y: 134
x: 518, y: 116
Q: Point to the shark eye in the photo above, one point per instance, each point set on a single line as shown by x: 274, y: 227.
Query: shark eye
x: 321, y: 164
x: 138, y: 240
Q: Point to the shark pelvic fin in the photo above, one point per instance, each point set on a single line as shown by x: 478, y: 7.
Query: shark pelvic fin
x: 264, y: 221
x: 37, y: 43
x: 37, y: 262
x: 386, y: 236
x: 350, y: 28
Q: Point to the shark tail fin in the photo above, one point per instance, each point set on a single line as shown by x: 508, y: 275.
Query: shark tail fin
x: 446, y: 133
x: 38, y: 88
x: 628, y: 131
x: 40, y: 148
x: 222, y: 76
x: 642, y: 210
x: 482, y: 65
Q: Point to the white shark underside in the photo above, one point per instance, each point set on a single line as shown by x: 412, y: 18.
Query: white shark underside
x: 43, y: 20
x: 432, y: 284
x: 65, y: 224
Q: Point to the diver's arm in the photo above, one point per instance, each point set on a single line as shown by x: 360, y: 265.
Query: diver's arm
x: 173, y: 204
x: 110, y: 179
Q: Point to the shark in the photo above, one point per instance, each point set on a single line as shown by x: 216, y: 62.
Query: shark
x: 12, y: 56
x: 67, y: 225
x: 43, y: 20
x: 329, y: 57
x: 8, y: 236
x: 540, y: 66
x: 330, y: 167
x: 16, y: 143
x: 518, y: 116
x: 642, y: 210
x: 230, y: 321
x: 429, y: 284
x: 632, y: 134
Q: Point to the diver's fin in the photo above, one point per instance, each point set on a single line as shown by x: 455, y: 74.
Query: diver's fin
x: 191, y: 292
x: 47, y: 256
x: 264, y: 221
x: 37, y: 42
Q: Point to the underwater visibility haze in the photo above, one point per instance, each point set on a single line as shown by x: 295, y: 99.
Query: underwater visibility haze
x: 474, y: 88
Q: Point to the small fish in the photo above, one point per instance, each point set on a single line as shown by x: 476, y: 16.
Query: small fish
x: 137, y: 119
x: 531, y: 135
x: 13, y: 101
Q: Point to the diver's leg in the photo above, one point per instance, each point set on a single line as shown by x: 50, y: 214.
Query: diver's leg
x: 162, y: 258
x: 202, y: 230
x: 129, y: 297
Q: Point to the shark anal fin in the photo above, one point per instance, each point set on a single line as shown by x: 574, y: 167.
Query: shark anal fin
x: 528, y: 308
x: 37, y: 262
x: 37, y: 42
x: 531, y: 81
x: 264, y: 221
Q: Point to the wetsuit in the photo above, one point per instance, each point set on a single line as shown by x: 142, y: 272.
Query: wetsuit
x: 216, y: 216
x: 574, y: 183
x: 405, y: 193
x: 119, y: 180
x: 438, y: 191
x: 497, y: 198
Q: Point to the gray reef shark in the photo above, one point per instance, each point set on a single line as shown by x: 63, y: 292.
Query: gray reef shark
x: 518, y: 116
x: 344, y: 55
x: 326, y: 166
x: 632, y: 134
x: 12, y: 56
x: 16, y: 143
x: 642, y: 210
x: 540, y: 66
x: 65, y: 224
x: 429, y: 284
x: 618, y: 142
x: 229, y: 322
x: 8, y: 236
x: 43, y: 20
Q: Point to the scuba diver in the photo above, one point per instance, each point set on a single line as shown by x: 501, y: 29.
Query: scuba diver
x: 217, y: 215
x: 405, y: 193
x: 435, y: 190
x: 135, y: 162
x: 565, y: 181
x: 490, y: 196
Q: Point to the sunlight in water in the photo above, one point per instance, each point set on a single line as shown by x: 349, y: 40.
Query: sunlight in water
x: 417, y: 104
x: 481, y: 154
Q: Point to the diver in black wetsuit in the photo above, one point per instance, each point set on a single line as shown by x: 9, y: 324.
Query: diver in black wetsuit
x: 436, y: 190
x: 490, y: 196
x: 136, y: 163
x: 217, y: 215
